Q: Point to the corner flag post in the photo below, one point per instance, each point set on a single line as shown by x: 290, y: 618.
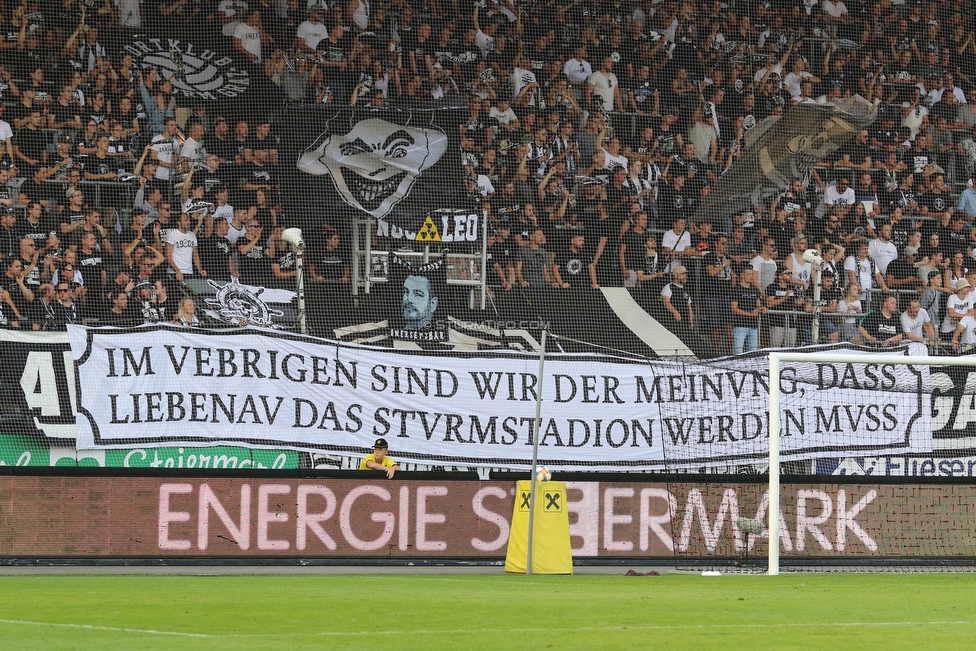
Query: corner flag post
x: 535, y: 455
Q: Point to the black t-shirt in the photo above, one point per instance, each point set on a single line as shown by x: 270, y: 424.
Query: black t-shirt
x: 573, y: 268
x: 254, y: 266
x: 39, y: 232
x: 215, y: 252
x: 672, y: 204
x: 224, y: 148
x: 286, y: 262
x: 900, y: 270
x: 91, y: 266
x: 775, y: 290
x: 336, y: 52
x: 746, y: 298
x: 680, y: 301
x: 856, y: 152
x: 882, y: 327
x: 667, y: 141
x: 31, y: 142
x: 64, y: 113
x: 502, y: 252
x: 257, y: 174
x: 62, y: 315
x: 330, y: 265
x: 719, y: 284
x: 596, y: 230
x: 253, y: 142
x: 935, y: 202
x: 71, y: 217
x: 634, y: 253
x: 16, y: 112
x: 828, y: 296
x: 951, y: 241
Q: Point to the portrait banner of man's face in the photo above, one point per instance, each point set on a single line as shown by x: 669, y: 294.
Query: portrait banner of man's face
x: 418, y: 308
x: 386, y: 164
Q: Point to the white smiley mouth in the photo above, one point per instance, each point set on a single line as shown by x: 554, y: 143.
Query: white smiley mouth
x: 369, y: 193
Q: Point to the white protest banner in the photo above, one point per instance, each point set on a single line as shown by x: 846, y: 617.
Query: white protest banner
x: 162, y: 386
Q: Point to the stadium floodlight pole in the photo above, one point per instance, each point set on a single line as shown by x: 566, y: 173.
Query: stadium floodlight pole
x: 535, y: 455
x: 816, y: 260
x: 483, y: 262
x: 293, y: 236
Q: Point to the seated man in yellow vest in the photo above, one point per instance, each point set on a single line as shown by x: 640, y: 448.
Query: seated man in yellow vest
x: 378, y: 460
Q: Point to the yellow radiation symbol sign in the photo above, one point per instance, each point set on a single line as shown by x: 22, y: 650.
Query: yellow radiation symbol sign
x: 428, y: 232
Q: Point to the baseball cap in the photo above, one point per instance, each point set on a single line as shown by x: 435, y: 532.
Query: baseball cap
x: 680, y: 269
x: 381, y: 443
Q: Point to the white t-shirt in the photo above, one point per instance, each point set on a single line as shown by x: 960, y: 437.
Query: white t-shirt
x: 914, y: 326
x: 831, y: 196
x: 360, y: 15
x: 677, y: 243
x: 484, y: 185
x: 236, y: 8
x: 250, y: 38
x: 193, y: 149
x: 863, y: 272
x: 766, y: 270
x: 835, y: 9
x: 968, y: 334
x: 129, y: 15
x: 914, y: 118
x: 503, y: 117
x: 484, y: 42
x: 577, y: 71
x: 183, y: 245
x: 312, y: 34
x: 777, y: 70
x: 233, y: 234
x: 611, y: 161
x: 604, y: 84
x: 801, y: 270
x: 167, y: 149
x: 882, y: 254
x: 961, y: 305
x: 674, y: 241
x: 792, y: 82
x: 520, y: 79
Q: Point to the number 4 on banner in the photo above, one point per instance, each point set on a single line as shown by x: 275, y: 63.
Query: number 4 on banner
x: 428, y: 232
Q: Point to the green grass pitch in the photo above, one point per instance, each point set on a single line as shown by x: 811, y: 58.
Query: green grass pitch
x: 492, y: 612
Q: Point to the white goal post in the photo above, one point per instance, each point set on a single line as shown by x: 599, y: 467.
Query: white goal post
x: 775, y: 358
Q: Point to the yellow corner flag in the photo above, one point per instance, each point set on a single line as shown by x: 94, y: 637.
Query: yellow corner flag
x: 551, y: 550
x: 428, y: 232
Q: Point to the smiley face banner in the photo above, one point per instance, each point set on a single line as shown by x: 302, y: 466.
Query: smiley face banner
x: 392, y: 165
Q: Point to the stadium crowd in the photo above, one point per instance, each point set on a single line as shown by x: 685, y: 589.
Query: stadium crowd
x: 594, y: 129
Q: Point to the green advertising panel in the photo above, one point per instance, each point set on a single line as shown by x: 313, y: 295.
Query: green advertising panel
x: 21, y: 450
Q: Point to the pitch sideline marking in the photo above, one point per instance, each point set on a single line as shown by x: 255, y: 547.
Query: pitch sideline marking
x: 116, y: 629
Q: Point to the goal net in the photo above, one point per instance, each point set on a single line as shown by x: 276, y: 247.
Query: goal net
x: 864, y: 471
